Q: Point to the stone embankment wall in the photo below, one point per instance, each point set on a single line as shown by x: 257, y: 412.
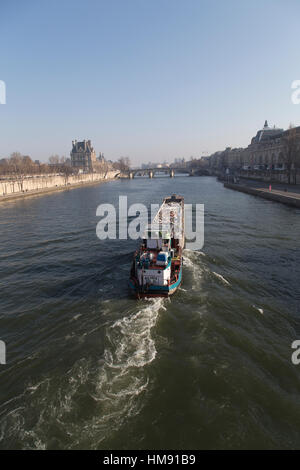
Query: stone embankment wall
x: 271, y: 177
x: 42, y: 182
x: 265, y: 176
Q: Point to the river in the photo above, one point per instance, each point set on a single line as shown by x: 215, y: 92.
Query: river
x: 89, y: 367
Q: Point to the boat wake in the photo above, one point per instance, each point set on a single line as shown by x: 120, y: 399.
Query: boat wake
x: 191, y: 260
x: 259, y: 309
x: 221, y: 278
x: 102, y: 395
x: 130, y: 348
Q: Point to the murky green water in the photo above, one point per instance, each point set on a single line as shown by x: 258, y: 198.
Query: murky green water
x: 90, y: 367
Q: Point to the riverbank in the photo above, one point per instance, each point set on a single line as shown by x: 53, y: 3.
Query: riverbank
x: 279, y: 193
x: 45, y: 191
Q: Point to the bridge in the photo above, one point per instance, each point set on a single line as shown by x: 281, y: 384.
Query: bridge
x: 150, y: 172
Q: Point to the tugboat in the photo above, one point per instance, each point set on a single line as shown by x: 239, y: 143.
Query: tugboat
x: 156, y: 269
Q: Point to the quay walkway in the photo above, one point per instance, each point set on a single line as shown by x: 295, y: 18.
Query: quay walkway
x: 284, y: 193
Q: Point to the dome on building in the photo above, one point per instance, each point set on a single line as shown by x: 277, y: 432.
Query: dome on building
x: 266, y: 133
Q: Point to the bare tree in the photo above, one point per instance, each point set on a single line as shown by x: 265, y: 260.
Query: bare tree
x: 124, y: 163
x: 16, y: 163
x: 297, y: 164
x: 54, y: 159
x: 28, y: 166
x: 4, y: 166
x: 101, y: 166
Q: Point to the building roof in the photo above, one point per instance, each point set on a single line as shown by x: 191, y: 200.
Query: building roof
x: 267, y: 133
x: 85, y: 145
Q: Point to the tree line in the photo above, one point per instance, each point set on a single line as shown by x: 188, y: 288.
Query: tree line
x: 18, y: 165
x: 22, y: 165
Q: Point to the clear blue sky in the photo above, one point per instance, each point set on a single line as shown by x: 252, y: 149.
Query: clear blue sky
x: 148, y: 79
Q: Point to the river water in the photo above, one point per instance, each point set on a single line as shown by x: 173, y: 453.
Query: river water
x: 89, y: 367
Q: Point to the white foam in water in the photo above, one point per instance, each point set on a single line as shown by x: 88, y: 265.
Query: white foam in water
x: 191, y: 261
x: 219, y: 276
x: 187, y: 262
x: 123, y: 377
x: 76, y: 317
x: 260, y: 310
x: 116, y: 386
x: 135, y: 346
x: 195, y: 252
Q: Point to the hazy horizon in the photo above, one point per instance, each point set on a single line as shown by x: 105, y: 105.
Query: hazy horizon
x: 152, y: 81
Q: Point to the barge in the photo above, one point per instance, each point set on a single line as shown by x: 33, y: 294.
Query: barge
x: 156, y: 269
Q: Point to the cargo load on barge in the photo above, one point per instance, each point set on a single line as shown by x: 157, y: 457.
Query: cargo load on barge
x: 156, y: 269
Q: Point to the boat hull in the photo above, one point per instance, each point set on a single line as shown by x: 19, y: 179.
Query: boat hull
x: 155, y: 291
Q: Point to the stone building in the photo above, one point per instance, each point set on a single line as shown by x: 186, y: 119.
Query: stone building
x: 266, y: 151
x: 83, y: 156
x: 228, y: 158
